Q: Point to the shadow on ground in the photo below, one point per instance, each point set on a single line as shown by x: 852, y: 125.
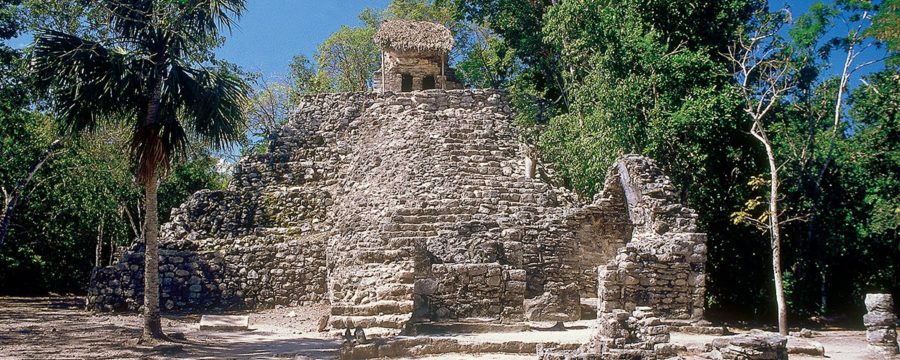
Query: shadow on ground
x: 59, y: 328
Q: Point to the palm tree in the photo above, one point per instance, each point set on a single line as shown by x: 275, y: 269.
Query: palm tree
x: 151, y: 66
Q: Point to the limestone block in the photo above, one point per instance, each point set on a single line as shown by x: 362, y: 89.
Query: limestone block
x: 879, y: 303
x: 756, y: 345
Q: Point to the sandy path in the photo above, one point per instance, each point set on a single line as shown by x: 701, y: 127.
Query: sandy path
x: 59, y: 328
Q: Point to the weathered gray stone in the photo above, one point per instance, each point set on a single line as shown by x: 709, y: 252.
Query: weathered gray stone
x: 880, y: 322
x: 756, y: 345
x: 800, y: 346
x: 879, y: 303
x: 395, y: 208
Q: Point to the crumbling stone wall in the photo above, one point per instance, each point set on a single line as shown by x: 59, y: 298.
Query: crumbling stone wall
x: 663, y: 265
x: 413, y: 207
x: 881, y: 325
x: 622, y: 335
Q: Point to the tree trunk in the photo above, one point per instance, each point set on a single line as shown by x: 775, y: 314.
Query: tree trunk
x: 775, y: 231
x: 152, y: 326
x: 98, y: 251
x: 774, y: 224
x: 823, y: 307
x: 13, y: 199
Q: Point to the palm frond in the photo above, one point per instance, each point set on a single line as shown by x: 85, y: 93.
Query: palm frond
x: 209, y: 16
x: 129, y: 18
x: 212, y: 100
x: 87, y: 79
x: 200, y: 21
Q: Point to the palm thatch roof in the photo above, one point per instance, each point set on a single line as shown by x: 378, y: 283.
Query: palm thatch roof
x: 414, y: 36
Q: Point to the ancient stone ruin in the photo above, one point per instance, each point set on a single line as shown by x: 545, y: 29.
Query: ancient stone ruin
x: 423, y: 206
x: 881, y: 325
x: 414, y: 57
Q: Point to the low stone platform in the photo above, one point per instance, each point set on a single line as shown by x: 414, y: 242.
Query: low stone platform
x: 472, y: 337
x: 462, y: 327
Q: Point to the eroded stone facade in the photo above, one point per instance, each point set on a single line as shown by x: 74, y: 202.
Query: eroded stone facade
x: 421, y: 206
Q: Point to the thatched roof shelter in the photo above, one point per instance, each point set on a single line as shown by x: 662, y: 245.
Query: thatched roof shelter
x: 414, y: 36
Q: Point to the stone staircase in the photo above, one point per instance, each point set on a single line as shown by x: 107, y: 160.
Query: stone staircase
x: 462, y: 182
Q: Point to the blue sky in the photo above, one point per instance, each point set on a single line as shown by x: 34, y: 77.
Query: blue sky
x: 271, y: 32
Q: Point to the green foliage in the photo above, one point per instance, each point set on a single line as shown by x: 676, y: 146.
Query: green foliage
x: 348, y: 58
x: 870, y: 162
x: 306, y: 78
x: 439, y: 11
x: 488, y: 63
x: 97, y: 81
x: 100, y: 69
x: 84, y: 194
x: 812, y: 25
x: 886, y: 26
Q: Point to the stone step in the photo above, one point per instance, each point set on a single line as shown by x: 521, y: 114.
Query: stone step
x: 463, y: 327
x: 401, y: 290
x: 371, y: 332
x: 421, y: 346
x: 373, y: 309
x: 589, y: 308
x: 379, y: 255
x: 390, y: 321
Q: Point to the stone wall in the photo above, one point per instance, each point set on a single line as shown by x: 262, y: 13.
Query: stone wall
x: 418, y: 207
x: 417, y: 66
x: 483, y: 290
x: 432, y: 182
x: 663, y: 264
x: 264, y: 273
x: 622, y: 335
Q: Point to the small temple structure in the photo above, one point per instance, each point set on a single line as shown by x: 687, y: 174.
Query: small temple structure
x: 414, y: 57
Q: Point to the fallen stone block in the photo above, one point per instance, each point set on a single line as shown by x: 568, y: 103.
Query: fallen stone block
x: 804, y: 333
x: 756, y: 345
x: 800, y: 346
x: 225, y: 322
x: 703, y: 330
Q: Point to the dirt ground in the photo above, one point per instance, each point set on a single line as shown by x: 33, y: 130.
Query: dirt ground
x: 59, y: 328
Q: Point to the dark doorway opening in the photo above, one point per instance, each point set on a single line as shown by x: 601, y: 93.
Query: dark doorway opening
x: 428, y: 82
x: 405, y: 82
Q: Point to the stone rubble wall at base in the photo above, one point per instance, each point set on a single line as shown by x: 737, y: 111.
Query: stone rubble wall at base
x: 258, y: 275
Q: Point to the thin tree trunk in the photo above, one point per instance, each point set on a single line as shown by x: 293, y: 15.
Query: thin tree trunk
x: 824, y: 290
x: 98, y: 251
x: 774, y: 225
x: 152, y: 325
x: 775, y: 230
x: 13, y: 199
